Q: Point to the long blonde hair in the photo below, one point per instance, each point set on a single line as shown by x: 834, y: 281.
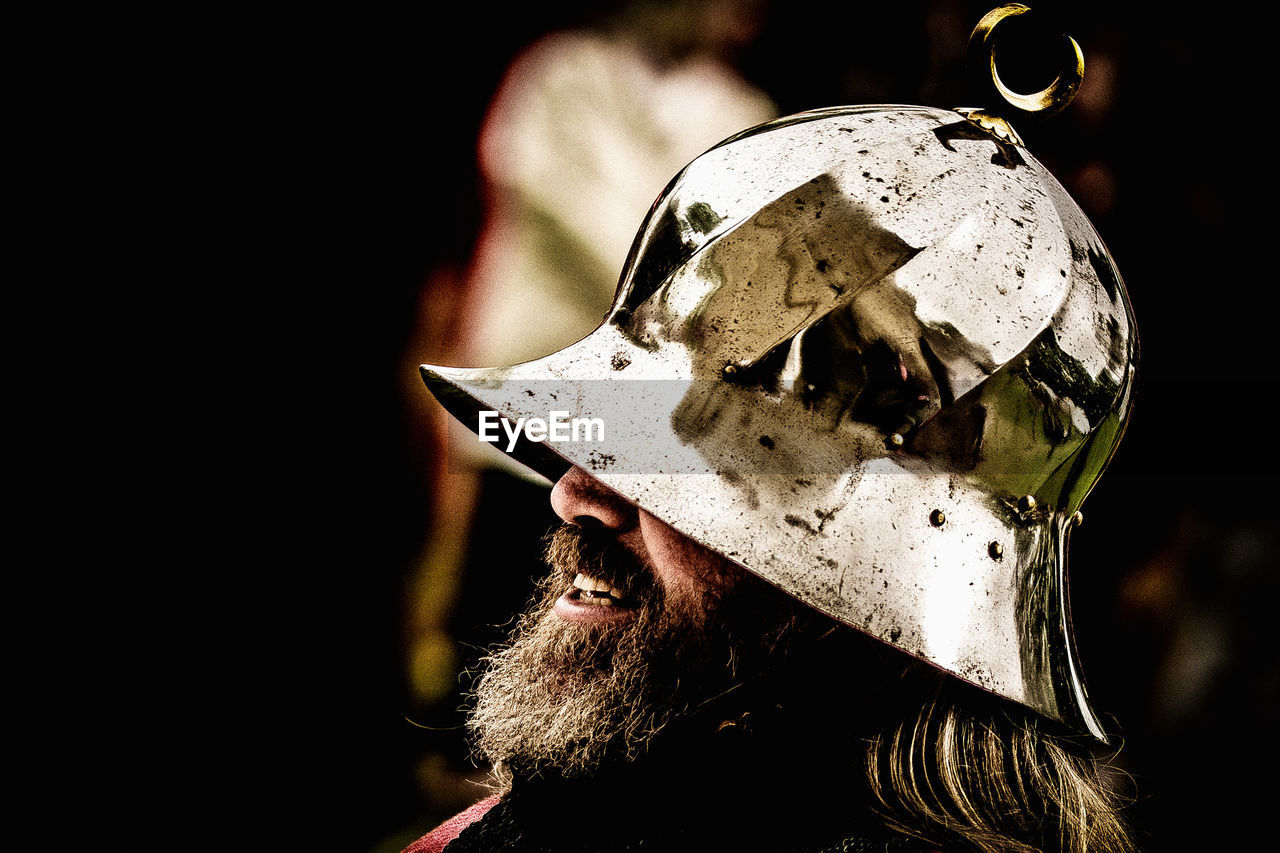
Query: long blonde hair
x: 966, y: 772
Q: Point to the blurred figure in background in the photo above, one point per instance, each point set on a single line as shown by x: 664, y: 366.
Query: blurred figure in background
x: 585, y: 130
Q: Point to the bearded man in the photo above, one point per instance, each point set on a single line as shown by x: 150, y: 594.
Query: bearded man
x: 862, y: 369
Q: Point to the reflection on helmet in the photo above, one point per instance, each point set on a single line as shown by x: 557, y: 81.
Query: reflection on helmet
x: 876, y: 356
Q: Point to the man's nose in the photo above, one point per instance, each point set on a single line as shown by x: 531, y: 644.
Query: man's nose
x: 586, y: 502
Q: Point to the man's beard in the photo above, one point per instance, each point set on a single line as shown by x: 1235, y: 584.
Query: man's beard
x: 570, y: 697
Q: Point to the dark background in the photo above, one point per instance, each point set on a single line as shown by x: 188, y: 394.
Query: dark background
x: 338, y: 157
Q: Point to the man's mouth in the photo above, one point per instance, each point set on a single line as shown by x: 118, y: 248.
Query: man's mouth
x: 590, y: 599
x: 595, y: 592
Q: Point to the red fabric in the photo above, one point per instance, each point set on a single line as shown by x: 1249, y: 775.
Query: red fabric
x: 435, y: 840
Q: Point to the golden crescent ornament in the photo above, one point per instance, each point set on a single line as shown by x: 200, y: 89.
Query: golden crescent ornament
x: 1048, y: 101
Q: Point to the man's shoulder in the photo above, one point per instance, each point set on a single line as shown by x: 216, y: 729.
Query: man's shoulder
x: 435, y: 840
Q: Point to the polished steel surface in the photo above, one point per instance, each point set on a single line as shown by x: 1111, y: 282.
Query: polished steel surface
x: 875, y: 355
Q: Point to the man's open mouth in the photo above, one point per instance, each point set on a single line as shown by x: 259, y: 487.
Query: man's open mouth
x: 593, y: 591
x: 590, y: 599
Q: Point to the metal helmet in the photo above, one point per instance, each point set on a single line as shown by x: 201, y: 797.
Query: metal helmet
x: 875, y: 355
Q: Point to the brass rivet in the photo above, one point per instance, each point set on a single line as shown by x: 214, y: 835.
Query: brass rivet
x: 730, y: 369
x: 896, y: 440
x: 1026, y: 504
x: 1078, y: 518
x: 937, y: 518
x: 996, y: 550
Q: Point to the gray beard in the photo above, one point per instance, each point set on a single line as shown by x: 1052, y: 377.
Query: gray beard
x: 570, y: 698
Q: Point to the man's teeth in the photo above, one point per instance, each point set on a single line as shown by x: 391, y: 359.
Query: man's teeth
x: 598, y: 592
